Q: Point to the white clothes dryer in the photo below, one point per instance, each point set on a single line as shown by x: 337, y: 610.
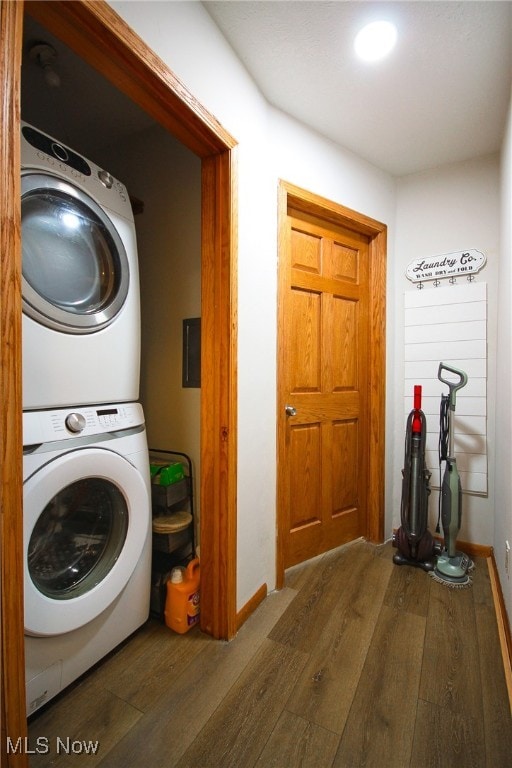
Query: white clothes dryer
x: 87, y: 539
x: 80, y: 280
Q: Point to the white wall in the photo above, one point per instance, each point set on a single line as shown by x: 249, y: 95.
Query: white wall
x: 448, y: 209
x: 502, y: 480
x: 166, y: 177
x: 185, y: 37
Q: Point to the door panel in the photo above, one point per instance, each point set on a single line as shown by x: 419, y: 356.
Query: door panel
x: 324, y: 353
x: 345, y: 446
x: 305, y: 487
x: 305, y: 336
x: 345, y: 262
x: 344, y: 355
x: 306, y: 250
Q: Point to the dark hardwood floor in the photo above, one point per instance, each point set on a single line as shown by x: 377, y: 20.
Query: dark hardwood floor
x: 357, y: 662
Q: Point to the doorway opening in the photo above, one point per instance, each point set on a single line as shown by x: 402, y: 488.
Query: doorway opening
x: 95, y: 33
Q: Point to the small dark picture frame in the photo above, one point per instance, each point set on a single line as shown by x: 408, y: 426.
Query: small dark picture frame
x: 191, y: 370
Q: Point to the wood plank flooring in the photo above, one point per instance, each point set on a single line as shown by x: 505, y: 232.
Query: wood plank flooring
x: 357, y: 662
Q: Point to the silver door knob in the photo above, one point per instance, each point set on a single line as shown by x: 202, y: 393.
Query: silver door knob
x: 290, y: 410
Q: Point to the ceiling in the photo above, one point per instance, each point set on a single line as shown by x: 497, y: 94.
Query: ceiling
x: 441, y: 96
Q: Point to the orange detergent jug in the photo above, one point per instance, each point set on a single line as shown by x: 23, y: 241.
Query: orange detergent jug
x: 182, y: 601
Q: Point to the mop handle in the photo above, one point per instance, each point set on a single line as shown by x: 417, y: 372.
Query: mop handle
x: 463, y: 380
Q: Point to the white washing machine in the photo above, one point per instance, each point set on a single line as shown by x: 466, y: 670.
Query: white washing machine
x: 80, y: 281
x: 87, y: 540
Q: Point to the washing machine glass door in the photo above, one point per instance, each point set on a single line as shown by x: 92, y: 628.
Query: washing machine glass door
x: 74, y: 265
x: 86, y: 520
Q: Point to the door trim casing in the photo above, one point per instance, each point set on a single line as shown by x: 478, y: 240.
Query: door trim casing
x: 329, y: 211
x: 97, y: 34
x: 12, y: 669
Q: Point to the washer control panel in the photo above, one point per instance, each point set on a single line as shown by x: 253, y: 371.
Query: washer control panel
x: 83, y: 421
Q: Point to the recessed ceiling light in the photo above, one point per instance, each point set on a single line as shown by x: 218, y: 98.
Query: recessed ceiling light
x: 375, y: 40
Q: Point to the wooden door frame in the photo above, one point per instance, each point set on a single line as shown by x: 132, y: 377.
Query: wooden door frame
x: 301, y: 199
x: 97, y: 34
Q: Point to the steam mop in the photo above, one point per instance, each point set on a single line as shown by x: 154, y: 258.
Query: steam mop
x: 413, y: 540
x: 452, y: 567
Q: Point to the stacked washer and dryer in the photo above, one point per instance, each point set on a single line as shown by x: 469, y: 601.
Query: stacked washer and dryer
x: 87, y: 500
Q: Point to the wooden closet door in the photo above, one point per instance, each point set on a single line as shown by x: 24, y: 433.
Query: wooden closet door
x: 324, y: 346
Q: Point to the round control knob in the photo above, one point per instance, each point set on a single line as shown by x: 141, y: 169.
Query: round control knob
x: 75, y: 422
x: 106, y: 178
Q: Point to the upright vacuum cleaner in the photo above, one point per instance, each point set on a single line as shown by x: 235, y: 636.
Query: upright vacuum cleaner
x: 452, y: 567
x: 413, y: 540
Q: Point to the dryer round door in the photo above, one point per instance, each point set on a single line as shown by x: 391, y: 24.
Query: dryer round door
x: 75, y: 272
x: 86, y: 521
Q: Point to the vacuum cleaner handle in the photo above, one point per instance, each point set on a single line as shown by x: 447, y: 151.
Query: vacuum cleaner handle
x: 463, y: 380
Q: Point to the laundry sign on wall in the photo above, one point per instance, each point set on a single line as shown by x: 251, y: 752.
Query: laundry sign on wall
x: 451, y: 265
x: 449, y: 325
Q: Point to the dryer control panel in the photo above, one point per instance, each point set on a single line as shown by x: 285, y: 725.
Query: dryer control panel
x: 43, y: 152
x: 83, y: 421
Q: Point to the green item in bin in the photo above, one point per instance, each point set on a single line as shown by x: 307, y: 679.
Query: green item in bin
x: 166, y: 474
